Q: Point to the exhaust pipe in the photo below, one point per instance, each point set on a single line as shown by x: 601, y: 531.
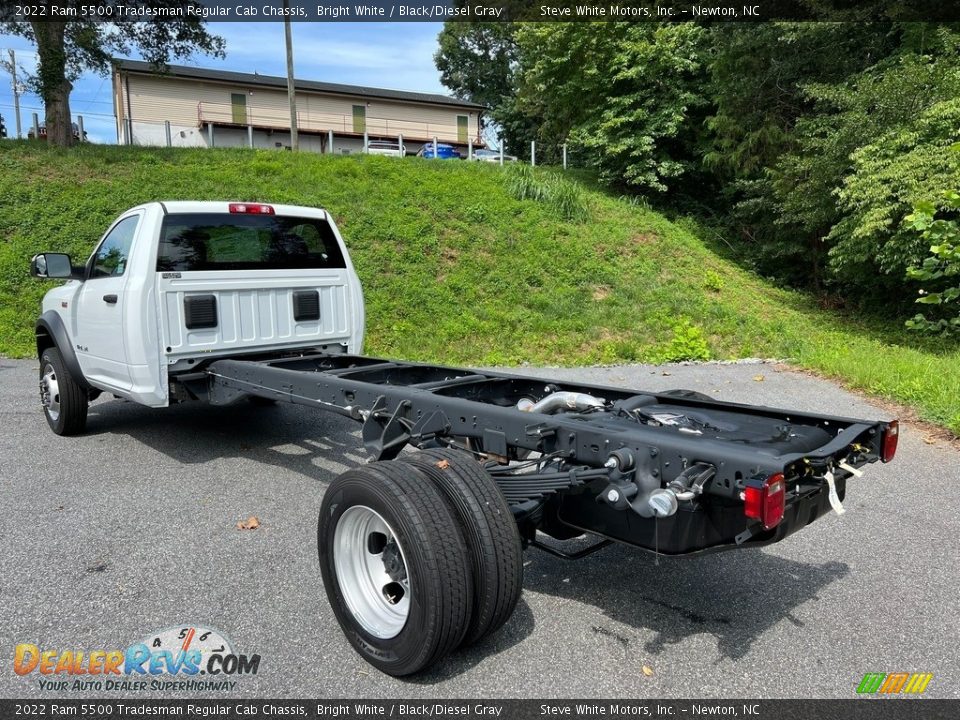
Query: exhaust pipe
x: 563, y: 400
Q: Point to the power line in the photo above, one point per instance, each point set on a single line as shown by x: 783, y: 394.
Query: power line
x: 40, y: 109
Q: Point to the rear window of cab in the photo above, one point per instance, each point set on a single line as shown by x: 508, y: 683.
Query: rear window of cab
x: 215, y: 241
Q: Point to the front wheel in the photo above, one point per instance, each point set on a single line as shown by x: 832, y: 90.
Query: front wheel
x: 64, y: 402
x: 395, y: 566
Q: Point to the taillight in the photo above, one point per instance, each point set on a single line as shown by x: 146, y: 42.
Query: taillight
x: 763, y: 499
x: 890, y: 437
x: 251, y: 209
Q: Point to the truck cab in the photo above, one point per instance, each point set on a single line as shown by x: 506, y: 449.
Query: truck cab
x: 173, y: 285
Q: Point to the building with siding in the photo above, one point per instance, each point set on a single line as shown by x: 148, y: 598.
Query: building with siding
x: 197, y: 107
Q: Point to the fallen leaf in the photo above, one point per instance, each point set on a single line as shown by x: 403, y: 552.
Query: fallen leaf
x: 251, y: 523
x: 647, y: 670
x: 930, y: 441
x: 758, y: 378
x: 443, y: 464
x: 666, y: 373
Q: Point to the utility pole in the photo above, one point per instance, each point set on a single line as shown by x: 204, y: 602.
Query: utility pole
x: 291, y: 90
x: 11, y: 67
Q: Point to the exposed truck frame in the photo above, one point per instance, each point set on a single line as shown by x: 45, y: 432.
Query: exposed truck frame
x: 421, y: 551
x: 590, y: 467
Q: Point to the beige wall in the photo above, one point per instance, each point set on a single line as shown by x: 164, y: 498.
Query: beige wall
x: 192, y: 102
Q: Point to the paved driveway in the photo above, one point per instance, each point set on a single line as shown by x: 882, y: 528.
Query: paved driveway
x: 131, y: 528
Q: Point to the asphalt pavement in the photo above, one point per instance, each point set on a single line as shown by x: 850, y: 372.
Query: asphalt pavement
x: 131, y: 528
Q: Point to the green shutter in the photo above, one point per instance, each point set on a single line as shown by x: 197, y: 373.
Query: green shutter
x: 359, y: 118
x: 462, y: 126
x: 238, y: 103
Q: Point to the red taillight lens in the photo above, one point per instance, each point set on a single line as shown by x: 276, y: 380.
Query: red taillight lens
x: 251, y: 209
x: 763, y: 500
x: 890, y: 438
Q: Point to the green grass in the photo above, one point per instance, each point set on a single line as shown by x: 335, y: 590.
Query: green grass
x: 456, y: 269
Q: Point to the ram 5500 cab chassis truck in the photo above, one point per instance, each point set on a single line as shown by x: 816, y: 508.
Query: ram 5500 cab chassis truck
x: 421, y: 548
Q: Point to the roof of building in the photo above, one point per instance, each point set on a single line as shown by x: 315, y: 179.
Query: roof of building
x: 194, y: 73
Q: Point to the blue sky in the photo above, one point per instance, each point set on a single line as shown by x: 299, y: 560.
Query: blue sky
x: 389, y: 55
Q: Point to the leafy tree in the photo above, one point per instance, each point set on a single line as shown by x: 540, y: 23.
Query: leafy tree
x: 762, y: 80
x: 758, y: 72
x: 892, y: 174
x: 942, y: 267
x: 478, y: 62
x: 630, y: 94
x: 67, y: 48
x: 886, y: 101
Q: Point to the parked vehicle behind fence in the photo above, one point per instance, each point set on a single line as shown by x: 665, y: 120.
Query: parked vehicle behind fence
x: 492, y: 156
x: 441, y: 152
x: 42, y: 132
x: 387, y: 148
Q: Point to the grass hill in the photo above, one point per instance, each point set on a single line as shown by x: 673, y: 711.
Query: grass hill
x: 456, y: 269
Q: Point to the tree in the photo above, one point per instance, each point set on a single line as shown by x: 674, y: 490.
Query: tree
x: 478, y: 62
x: 630, y: 95
x: 66, y: 48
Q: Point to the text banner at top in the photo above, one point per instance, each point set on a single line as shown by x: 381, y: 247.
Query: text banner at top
x: 114, y: 11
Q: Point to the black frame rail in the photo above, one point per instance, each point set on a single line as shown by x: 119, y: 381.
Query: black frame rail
x: 403, y: 403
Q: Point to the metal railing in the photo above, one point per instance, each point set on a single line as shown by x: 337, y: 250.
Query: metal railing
x: 226, y: 114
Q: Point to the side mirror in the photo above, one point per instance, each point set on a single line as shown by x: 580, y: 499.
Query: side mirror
x: 51, y: 265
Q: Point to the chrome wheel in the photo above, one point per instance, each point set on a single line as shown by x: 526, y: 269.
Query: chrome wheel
x: 50, y: 392
x: 371, y: 571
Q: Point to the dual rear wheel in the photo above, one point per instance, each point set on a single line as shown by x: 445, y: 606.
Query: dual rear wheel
x: 418, y: 557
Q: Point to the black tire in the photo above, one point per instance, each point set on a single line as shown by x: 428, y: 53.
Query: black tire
x: 490, y: 531
x: 65, y: 403
x: 432, y: 550
x: 258, y: 401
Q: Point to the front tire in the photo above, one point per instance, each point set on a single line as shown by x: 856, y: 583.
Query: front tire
x: 64, y: 402
x: 395, y: 566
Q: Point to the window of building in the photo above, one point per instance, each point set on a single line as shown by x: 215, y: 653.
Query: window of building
x: 463, y: 124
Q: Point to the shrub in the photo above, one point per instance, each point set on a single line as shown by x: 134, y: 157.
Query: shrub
x: 687, y: 343
x: 942, y: 267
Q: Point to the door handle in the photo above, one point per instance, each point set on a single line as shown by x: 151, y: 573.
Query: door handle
x: 110, y: 299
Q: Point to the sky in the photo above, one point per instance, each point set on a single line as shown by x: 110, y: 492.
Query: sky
x: 387, y: 55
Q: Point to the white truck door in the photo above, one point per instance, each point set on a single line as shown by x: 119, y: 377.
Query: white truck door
x: 100, y: 311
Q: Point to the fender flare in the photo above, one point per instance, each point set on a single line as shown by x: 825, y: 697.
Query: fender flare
x: 51, y: 325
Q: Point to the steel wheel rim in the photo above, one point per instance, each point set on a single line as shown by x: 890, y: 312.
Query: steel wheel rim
x: 50, y: 392
x: 374, y: 584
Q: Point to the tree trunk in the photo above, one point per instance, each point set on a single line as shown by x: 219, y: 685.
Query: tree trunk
x: 55, y: 87
x: 816, y: 255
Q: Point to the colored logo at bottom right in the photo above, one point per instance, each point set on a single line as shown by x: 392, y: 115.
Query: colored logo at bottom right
x: 894, y: 683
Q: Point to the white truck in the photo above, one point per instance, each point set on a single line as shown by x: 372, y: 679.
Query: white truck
x: 422, y: 552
